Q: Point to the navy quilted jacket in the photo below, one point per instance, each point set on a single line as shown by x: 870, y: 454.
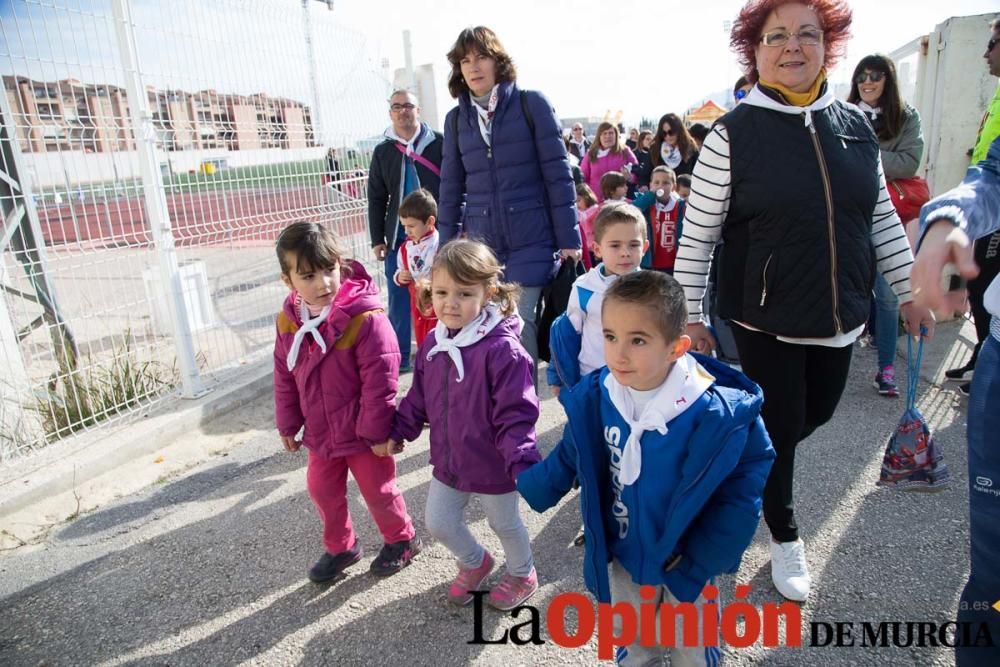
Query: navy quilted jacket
x: 517, y: 196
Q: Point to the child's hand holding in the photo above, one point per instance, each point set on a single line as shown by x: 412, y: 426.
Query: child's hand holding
x: 387, y: 448
x: 290, y: 443
x: 404, y: 277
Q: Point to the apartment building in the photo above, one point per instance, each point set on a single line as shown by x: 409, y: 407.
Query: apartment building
x: 69, y: 115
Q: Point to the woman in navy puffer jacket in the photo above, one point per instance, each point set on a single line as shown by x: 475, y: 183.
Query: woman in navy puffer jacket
x: 505, y: 177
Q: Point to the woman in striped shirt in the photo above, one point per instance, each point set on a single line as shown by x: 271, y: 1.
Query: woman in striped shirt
x: 791, y: 183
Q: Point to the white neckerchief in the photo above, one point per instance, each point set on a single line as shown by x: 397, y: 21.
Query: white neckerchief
x: 686, y: 381
x: 669, y: 205
x: 670, y: 155
x: 871, y: 111
x: 757, y: 98
x: 486, y: 115
x: 470, y: 334
x: 603, y: 152
x: 309, y: 326
x: 409, y: 145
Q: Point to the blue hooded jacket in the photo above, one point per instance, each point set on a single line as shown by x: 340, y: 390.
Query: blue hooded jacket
x: 516, y: 195
x: 712, y: 513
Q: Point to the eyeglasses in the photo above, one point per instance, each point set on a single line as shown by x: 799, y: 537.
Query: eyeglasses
x: 396, y: 108
x: 990, y: 44
x: 741, y: 93
x: 874, y: 76
x: 669, y: 133
x: 807, y: 37
x: 578, y: 129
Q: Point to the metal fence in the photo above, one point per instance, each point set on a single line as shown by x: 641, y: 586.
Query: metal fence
x: 151, y: 152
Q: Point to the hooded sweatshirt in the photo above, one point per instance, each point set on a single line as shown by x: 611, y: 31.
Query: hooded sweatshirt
x: 345, y: 395
x: 482, y: 425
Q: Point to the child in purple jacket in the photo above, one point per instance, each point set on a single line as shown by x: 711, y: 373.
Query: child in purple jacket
x: 473, y: 383
x: 336, y: 368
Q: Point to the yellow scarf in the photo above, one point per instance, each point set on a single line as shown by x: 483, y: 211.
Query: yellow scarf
x: 799, y: 99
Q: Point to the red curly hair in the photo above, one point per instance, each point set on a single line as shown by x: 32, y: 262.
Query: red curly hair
x: 834, y: 17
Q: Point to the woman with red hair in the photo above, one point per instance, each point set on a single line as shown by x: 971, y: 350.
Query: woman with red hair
x: 791, y: 182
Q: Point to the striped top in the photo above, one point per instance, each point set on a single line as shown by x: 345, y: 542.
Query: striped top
x: 708, y: 207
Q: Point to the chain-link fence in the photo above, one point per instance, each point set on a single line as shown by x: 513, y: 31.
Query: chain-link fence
x: 151, y: 152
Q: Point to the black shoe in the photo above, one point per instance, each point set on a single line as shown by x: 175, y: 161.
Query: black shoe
x: 330, y: 566
x: 963, y: 388
x: 958, y: 373
x: 394, y: 557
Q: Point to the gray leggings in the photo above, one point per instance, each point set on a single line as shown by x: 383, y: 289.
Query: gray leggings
x: 446, y: 522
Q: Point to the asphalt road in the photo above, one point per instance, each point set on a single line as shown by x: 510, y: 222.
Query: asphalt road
x: 209, y: 568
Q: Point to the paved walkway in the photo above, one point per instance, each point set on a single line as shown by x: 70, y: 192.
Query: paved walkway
x: 208, y: 567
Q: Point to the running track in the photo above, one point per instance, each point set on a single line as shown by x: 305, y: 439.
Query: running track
x: 223, y: 217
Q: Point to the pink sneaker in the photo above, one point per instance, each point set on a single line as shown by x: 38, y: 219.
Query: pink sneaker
x: 469, y: 580
x: 512, y: 591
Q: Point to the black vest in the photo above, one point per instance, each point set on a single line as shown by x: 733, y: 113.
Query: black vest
x: 784, y: 266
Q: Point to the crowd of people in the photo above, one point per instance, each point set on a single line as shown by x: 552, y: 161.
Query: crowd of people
x: 786, y: 212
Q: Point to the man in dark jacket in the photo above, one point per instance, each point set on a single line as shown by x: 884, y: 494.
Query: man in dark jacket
x: 408, y: 159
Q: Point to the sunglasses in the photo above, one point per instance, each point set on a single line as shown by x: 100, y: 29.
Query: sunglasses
x: 874, y: 77
x: 740, y: 94
x: 807, y: 37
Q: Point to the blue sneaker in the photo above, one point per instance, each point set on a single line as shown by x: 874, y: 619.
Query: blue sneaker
x: 885, y: 382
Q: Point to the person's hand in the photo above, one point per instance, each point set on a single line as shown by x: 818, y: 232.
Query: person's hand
x: 943, y: 244
x: 571, y: 253
x: 383, y: 449
x: 290, y: 443
x: 396, y: 447
x: 554, y: 388
x: 702, y: 339
x: 627, y: 170
x: 404, y: 277
x: 379, y: 252
x: 919, y: 320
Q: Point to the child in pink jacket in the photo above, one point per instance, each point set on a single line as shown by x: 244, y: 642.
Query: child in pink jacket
x: 336, y: 368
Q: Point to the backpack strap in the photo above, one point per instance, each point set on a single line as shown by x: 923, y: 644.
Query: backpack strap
x: 526, y: 110
x: 353, y: 328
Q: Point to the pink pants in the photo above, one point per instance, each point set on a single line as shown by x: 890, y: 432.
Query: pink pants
x: 326, y: 480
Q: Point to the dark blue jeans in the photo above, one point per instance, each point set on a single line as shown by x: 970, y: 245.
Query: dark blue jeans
x: 399, y: 309
x: 983, y: 587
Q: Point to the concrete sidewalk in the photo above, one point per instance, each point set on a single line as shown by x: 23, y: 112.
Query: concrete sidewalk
x: 207, y: 566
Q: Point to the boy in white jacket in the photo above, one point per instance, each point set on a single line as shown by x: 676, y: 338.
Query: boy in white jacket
x: 619, y: 242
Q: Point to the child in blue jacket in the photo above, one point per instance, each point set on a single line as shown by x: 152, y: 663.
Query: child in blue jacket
x: 671, y: 455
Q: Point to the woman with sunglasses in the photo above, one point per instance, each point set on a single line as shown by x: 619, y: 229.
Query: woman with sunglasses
x: 672, y: 146
x: 791, y: 181
x: 901, y: 143
x: 505, y: 176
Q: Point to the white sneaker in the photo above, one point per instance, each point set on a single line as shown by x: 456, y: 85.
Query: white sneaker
x: 789, y: 571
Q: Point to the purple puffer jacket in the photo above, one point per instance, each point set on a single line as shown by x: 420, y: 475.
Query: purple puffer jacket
x: 482, y: 428
x: 346, y: 397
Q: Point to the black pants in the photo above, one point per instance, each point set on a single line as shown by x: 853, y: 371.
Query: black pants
x: 802, y: 385
x: 987, y: 254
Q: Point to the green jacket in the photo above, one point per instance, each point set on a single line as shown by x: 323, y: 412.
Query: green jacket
x: 901, y: 154
x: 988, y: 130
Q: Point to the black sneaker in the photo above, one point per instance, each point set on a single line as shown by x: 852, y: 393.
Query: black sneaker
x: 330, y: 566
x: 394, y: 557
x: 963, y: 388
x: 958, y: 373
